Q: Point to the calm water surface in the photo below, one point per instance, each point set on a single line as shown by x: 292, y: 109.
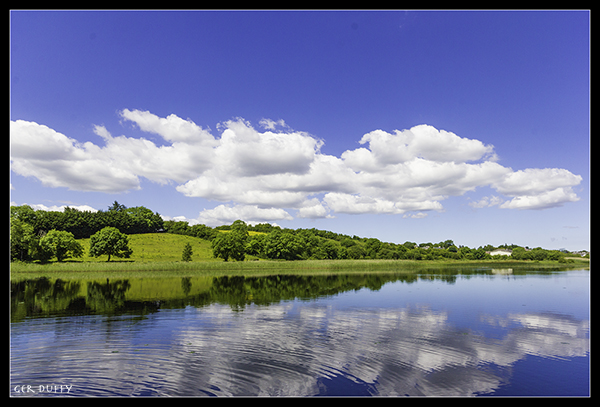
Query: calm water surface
x: 461, y: 333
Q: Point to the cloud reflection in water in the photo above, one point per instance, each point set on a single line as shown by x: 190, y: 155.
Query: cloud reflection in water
x: 412, y: 351
x: 291, y: 347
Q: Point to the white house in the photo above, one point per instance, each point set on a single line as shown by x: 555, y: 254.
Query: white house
x: 500, y: 252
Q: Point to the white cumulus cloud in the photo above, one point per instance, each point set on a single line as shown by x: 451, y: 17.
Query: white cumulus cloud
x: 251, y: 214
x: 418, y: 215
x: 313, y: 208
x: 172, y: 128
x: 542, y: 200
x: 271, y: 124
x: 261, y: 175
x: 538, y: 188
x: 425, y: 142
x: 487, y: 201
x: 58, y: 208
x: 60, y: 161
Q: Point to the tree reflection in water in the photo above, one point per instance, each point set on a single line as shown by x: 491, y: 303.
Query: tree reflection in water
x: 290, y: 336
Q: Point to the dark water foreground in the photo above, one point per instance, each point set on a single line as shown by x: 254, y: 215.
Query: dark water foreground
x: 454, y: 333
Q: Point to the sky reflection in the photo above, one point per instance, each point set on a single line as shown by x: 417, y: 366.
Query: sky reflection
x: 329, y: 345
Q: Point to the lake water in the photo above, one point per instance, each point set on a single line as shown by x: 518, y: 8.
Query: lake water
x: 445, y: 333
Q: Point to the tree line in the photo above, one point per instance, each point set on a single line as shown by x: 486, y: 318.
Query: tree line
x: 83, y: 224
x: 41, y: 235
x: 301, y: 244
x: 35, y: 236
x: 44, y: 297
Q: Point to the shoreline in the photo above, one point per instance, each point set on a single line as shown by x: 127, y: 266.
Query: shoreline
x: 76, y: 269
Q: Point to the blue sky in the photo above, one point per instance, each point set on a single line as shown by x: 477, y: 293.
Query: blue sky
x: 401, y: 125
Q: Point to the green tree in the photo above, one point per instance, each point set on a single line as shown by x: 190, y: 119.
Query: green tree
x: 203, y: 232
x: 356, y: 252
x: 228, y: 245
x: 372, y: 247
x: 347, y: 242
x: 111, y: 242
x: 465, y: 253
x: 143, y: 220
x: 480, y: 254
x: 232, y: 244
x: 239, y: 227
x: 414, y: 254
x: 178, y: 228
x: 187, y: 253
x: 555, y: 255
x: 409, y: 245
x: 519, y: 253
x: 61, y: 244
x: 116, y: 207
x: 24, y: 213
x: 283, y: 245
x: 21, y: 238
x: 330, y: 249
x: 538, y: 254
x: 256, y: 245
x: 447, y: 244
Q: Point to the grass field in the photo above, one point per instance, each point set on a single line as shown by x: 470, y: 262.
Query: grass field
x: 159, y: 254
x: 162, y: 247
x: 262, y: 268
x: 153, y: 247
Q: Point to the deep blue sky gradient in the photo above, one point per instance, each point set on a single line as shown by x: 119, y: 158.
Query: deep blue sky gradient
x: 519, y: 81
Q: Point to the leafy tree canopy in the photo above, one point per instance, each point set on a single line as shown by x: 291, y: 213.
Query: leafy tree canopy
x: 111, y: 242
x: 232, y: 243
x: 61, y: 244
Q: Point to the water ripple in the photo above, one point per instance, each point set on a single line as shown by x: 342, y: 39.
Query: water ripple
x: 291, y: 348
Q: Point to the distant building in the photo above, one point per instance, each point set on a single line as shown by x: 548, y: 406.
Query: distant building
x: 500, y: 252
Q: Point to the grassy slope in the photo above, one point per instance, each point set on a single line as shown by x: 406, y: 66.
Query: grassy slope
x: 153, y: 247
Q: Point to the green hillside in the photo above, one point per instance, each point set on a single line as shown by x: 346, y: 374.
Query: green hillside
x: 47, y: 236
x: 151, y: 247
